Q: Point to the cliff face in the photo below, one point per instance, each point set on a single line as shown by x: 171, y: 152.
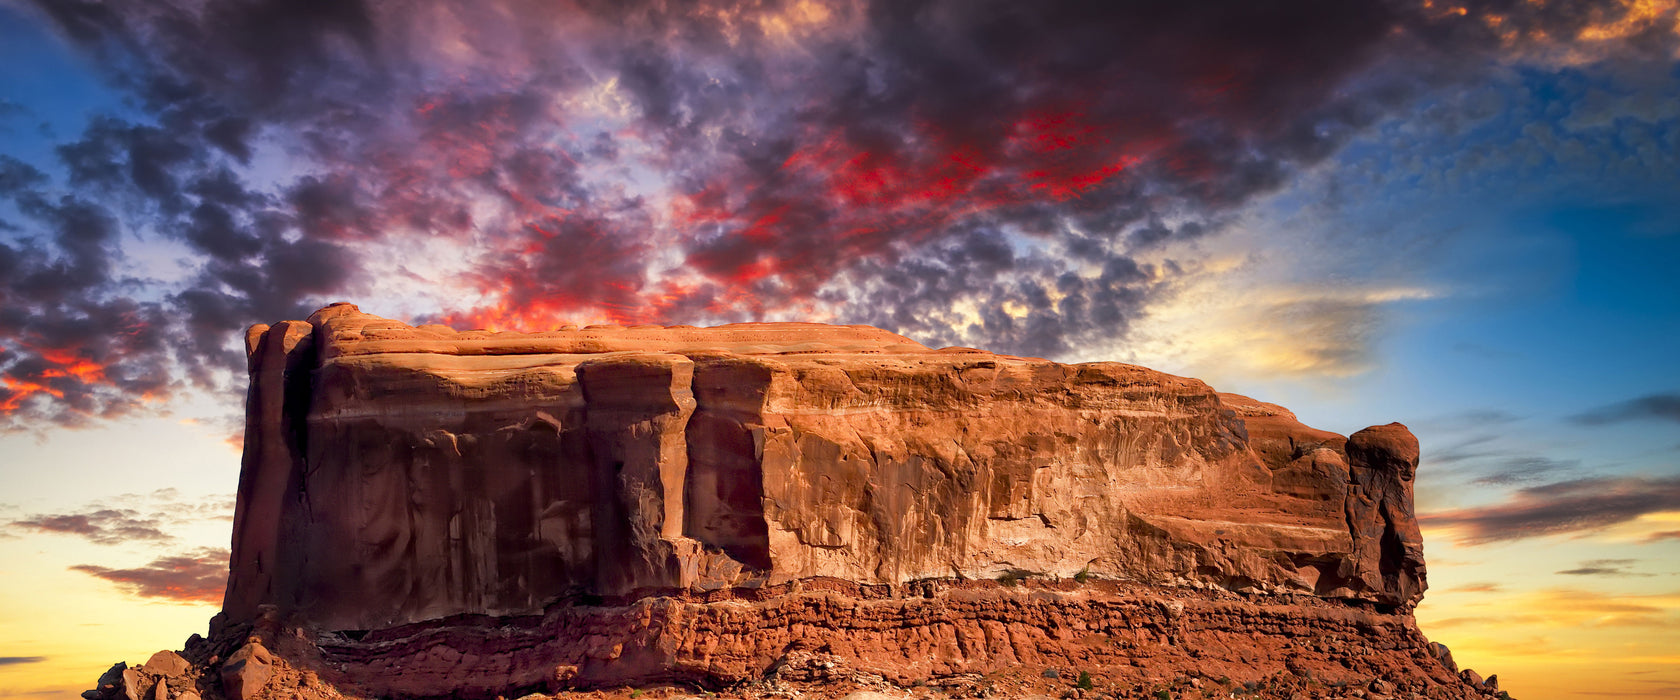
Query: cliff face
x: 394, y: 475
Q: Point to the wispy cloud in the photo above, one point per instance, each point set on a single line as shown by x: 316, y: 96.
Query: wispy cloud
x: 15, y: 660
x: 1566, y: 507
x: 1660, y: 407
x: 129, y: 518
x: 199, y: 576
x: 1605, y: 567
x: 1572, y: 607
x: 1527, y: 469
x: 105, y: 526
x: 1478, y: 587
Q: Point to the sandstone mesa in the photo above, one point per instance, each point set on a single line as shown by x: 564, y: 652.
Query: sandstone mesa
x: 784, y: 508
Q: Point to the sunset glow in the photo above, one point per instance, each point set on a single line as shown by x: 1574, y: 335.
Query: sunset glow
x: 1463, y: 216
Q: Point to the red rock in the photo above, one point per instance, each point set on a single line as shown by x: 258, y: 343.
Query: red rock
x: 426, y: 512
x: 167, y: 663
x: 473, y: 473
x: 246, y: 671
x: 132, y: 684
x: 1388, y: 552
x: 1444, y: 655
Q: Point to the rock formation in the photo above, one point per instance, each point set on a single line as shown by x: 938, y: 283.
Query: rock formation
x: 425, y: 512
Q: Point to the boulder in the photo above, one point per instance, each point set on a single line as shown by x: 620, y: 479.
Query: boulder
x: 133, y: 684
x: 1443, y: 655
x: 246, y: 671
x: 168, y: 664
x: 111, y: 681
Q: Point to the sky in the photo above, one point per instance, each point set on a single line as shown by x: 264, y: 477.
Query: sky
x: 1464, y: 216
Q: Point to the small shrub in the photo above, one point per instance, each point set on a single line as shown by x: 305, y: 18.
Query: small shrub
x: 1084, y: 682
x: 1015, y: 576
x: 1162, y: 694
x: 1083, y: 575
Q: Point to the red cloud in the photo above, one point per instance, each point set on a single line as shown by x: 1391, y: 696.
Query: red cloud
x: 198, y: 577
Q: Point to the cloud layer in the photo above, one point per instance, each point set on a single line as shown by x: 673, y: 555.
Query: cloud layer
x: 1565, y: 507
x: 151, y: 518
x: 991, y: 173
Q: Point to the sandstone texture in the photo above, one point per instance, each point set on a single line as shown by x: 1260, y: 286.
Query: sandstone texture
x: 427, y: 513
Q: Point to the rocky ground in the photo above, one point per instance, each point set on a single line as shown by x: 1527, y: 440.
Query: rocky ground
x: 816, y: 676
x: 1208, y: 645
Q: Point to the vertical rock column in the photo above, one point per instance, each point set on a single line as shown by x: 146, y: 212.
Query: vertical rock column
x: 1388, y: 547
x: 280, y: 358
x: 637, y: 409
x: 725, y: 492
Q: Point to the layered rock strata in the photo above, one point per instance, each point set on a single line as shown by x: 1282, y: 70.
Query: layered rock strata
x: 588, y: 506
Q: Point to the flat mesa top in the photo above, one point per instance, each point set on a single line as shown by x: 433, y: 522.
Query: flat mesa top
x: 345, y: 330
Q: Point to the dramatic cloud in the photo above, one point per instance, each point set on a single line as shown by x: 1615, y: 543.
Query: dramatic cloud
x: 982, y: 173
x: 1604, y: 567
x: 196, y: 577
x: 1661, y: 407
x: 1566, y: 507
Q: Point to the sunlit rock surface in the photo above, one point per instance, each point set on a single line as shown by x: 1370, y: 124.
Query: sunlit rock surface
x: 394, y: 474
x: 791, y: 510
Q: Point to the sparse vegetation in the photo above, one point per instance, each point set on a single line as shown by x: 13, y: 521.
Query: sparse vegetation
x: 1083, y: 575
x: 1084, y: 682
x: 1015, y: 576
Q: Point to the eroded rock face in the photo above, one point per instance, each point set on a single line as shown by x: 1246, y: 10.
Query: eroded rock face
x: 394, y: 474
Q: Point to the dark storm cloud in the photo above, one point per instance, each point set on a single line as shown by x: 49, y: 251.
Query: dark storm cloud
x: 199, y: 576
x: 1031, y: 304
x: 1660, y: 407
x: 883, y: 162
x: 1566, y: 507
x: 71, y: 347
